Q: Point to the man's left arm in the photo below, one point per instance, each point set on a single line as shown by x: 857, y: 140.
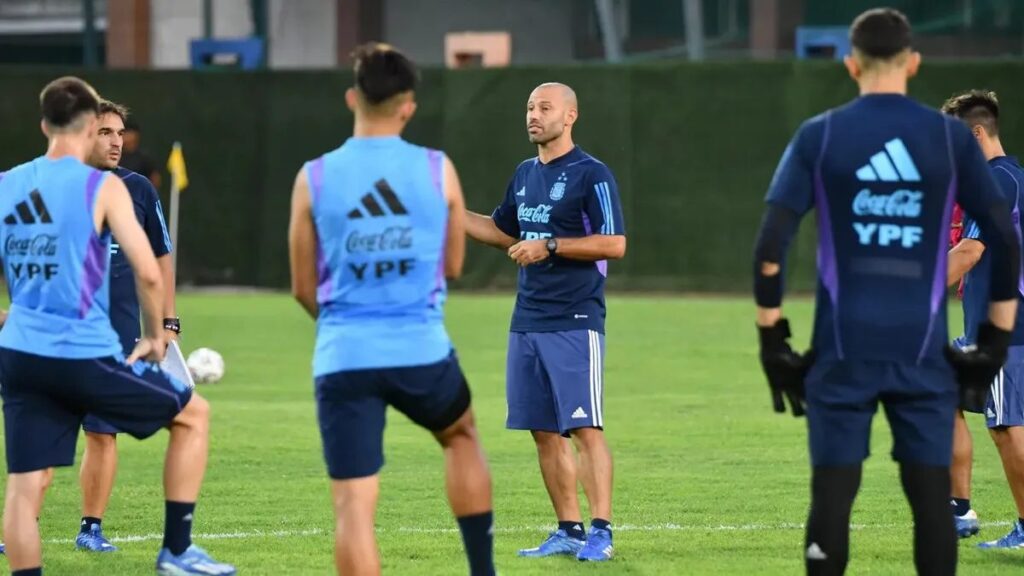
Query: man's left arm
x: 155, y: 227
x: 606, y: 239
x: 302, y: 246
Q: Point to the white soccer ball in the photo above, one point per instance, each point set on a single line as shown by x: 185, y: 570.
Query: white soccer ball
x: 206, y: 365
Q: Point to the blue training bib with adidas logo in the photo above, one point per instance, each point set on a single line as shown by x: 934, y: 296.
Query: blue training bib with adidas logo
x: 56, y: 266
x: 381, y: 216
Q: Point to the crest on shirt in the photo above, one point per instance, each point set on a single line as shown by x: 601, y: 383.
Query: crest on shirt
x: 558, y: 188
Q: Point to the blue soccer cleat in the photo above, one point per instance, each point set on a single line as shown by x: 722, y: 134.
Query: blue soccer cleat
x: 3, y: 549
x: 558, y: 543
x: 194, y: 560
x: 967, y: 525
x: 598, y: 547
x: 94, y: 541
x: 1013, y: 540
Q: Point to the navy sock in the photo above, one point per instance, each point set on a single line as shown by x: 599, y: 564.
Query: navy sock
x: 88, y: 521
x: 961, y: 506
x: 573, y: 529
x: 478, y: 538
x: 1021, y: 520
x: 601, y: 524
x: 178, y: 526
x: 28, y: 572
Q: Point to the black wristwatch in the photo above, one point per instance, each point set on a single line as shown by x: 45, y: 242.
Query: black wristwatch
x: 552, y: 246
x: 173, y: 324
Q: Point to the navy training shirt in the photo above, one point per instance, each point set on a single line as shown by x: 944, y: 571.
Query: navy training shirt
x: 1010, y: 177
x: 124, y: 301
x: 882, y: 172
x: 571, y: 196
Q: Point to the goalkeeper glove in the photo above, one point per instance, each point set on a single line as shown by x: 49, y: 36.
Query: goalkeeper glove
x: 976, y: 366
x: 784, y: 368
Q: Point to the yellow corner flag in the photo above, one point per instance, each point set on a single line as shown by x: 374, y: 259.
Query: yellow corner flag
x: 176, y: 166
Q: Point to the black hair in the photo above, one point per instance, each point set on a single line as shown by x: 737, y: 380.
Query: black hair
x: 976, y: 108
x: 65, y: 99
x: 108, y: 107
x: 382, y: 72
x: 880, y: 33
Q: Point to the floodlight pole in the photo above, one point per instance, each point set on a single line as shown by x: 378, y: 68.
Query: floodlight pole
x: 693, y: 17
x: 609, y: 32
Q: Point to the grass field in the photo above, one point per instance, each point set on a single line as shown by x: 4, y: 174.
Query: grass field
x: 708, y: 479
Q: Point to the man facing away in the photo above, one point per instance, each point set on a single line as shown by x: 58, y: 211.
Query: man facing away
x: 376, y: 226
x: 882, y: 174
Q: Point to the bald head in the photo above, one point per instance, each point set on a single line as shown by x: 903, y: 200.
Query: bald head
x: 550, y: 112
x: 556, y: 90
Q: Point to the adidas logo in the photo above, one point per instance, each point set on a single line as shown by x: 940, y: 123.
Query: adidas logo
x: 522, y: 191
x: 990, y: 413
x: 893, y: 164
x: 187, y: 517
x: 25, y: 214
x: 373, y: 207
x: 814, y: 552
x: 579, y: 413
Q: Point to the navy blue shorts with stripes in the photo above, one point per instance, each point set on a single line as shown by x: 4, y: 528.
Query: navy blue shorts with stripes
x: 45, y: 400
x: 554, y: 381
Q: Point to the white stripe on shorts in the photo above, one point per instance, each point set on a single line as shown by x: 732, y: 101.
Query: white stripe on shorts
x: 593, y: 378
x: 598, y: 393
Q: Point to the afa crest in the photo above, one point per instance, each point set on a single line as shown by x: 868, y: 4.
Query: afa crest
x: 558, y: 188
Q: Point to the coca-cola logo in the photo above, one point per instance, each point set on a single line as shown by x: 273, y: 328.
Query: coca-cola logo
x: 392, y: 238
x: 39, y: 245
x: 899, y: 204
x: 539, y: 214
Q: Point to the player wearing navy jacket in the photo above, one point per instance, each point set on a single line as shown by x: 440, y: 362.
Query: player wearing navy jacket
x: 560, y: 220
x: 99, y: 461
x: 881, y: 173
x: 1003, y: 403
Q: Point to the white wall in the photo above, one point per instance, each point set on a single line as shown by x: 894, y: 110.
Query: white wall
x: 302, y: 33
x: 176, y: 22
x: 541, y: 29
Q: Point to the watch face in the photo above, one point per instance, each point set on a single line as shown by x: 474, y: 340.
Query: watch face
x: 552, y: 245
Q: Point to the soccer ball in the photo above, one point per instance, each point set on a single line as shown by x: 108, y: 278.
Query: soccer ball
x: 206, y: 365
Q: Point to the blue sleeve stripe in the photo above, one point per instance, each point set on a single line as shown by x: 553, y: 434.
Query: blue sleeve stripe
x: 972, y: 231
x: 599, y: 191
x: 163, y: 225
x: 611, y: 212
x: 608, y: 226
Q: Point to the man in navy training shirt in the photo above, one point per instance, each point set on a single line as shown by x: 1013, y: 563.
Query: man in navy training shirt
x: 377, y: 224
x: 1003, y: 403
x: 882, y: 173
x: 561, y: 221
x: 99, y: 461
x: 60, y: 358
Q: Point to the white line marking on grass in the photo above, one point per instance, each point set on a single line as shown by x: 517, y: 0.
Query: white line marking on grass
x: 670, y: 527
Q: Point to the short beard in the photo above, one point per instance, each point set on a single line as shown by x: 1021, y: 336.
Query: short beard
x: 542, y: 138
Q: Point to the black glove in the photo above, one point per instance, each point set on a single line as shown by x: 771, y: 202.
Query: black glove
x: 978, y: 365
x: 784, y: 368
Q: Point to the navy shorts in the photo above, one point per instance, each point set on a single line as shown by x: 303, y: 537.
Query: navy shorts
x: 351, y: 407
x: 919, y: 400
x: 125, y: 318
x: 555, y: 381
x: 1005, y: 404
x: 45, y: 400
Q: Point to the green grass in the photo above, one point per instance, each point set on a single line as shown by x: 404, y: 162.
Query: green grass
x: 707, y: 481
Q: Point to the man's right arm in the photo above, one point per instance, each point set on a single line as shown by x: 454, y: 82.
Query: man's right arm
x: 980, y: 196
x: 483, y: 229
x: 962, y: 257
x: 114, y: 208
x: 501, y: 228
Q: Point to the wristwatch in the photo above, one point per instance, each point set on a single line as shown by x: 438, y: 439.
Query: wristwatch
x: 552, y: 246
x: 173, y: 324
